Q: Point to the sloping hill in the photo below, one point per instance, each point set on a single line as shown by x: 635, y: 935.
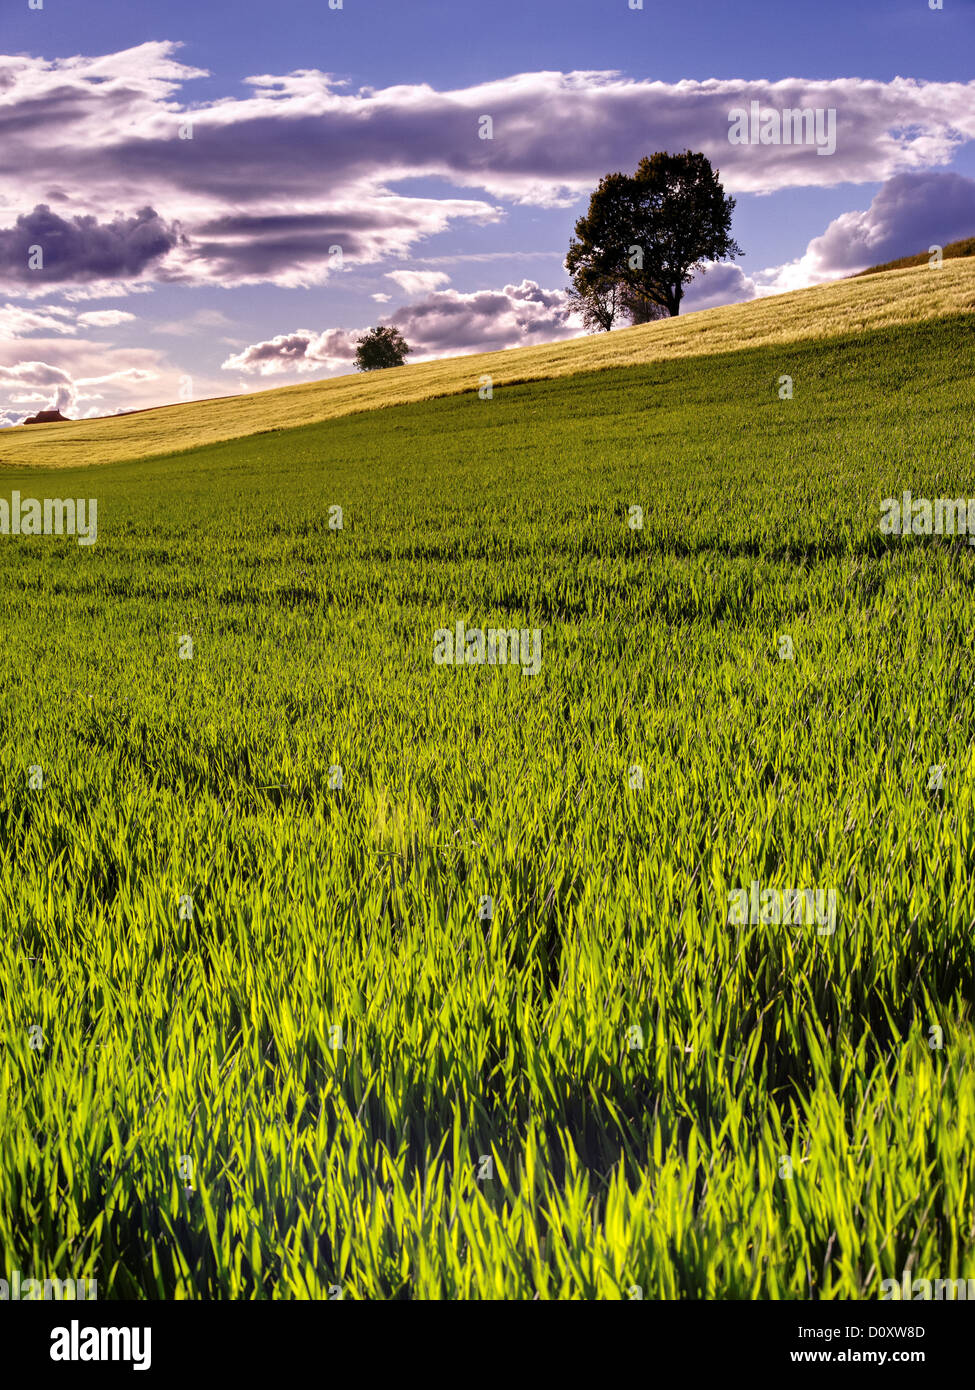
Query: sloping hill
x: 953, y: 251
x: 848, y: 306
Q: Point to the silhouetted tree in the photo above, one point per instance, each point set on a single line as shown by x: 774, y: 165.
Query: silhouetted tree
x: 380, y: 347
x: 647, y: 235
x: 598, y: 304
x: 604, y: 300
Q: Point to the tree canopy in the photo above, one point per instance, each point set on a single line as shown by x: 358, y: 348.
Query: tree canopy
x: 645, y: 236
x: 381, y: 347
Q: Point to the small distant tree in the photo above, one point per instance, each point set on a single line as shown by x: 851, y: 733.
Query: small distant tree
x: 649, y: 233
x: 381, y: 347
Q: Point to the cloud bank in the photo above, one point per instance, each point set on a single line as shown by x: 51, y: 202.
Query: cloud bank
x: 258, y: 188
x: 444, y: 323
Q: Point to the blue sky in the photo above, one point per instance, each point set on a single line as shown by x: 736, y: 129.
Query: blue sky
x: 201, y: 266
x: 448, y: 43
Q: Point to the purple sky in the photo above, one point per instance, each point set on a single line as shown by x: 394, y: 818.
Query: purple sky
x: 181, y: 267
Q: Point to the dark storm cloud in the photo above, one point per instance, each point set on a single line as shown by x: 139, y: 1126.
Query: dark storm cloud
x: 80, y: 249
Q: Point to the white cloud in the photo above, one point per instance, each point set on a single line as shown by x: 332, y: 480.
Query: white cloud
x: 191, y: 325
x: 444, y: 323
x: 104, y: 318
x: 419, y: 281
x: 19, y: 322
x: 448, y: 322
x: 300, y: 351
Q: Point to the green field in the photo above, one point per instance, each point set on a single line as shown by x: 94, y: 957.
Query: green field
x: 783, y: 1123
x: 860, y: 305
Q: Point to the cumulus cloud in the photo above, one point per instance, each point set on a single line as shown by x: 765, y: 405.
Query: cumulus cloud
x: 25, y: 380
x: 720, y: 282
x: 43, y: 249
x: 33, y: 374
x: 301, y: 351
x: 909, y: 214
x: 444, y: 323
x: 272, y: 179
x: 449, y: 322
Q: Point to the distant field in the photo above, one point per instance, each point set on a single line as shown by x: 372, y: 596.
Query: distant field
x: 833, y: 310
x: 604, y: 1086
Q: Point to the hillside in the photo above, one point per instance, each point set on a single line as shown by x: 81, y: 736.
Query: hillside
x: 825, y: 311
x: 955, y: 250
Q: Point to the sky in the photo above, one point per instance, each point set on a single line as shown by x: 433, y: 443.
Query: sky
x: 225, y: 194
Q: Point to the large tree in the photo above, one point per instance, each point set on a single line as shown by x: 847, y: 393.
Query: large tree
x: 380, y: 347
x: 644, y: 236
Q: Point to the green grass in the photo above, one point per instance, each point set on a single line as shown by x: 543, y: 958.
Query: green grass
x: 613, y: 1166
